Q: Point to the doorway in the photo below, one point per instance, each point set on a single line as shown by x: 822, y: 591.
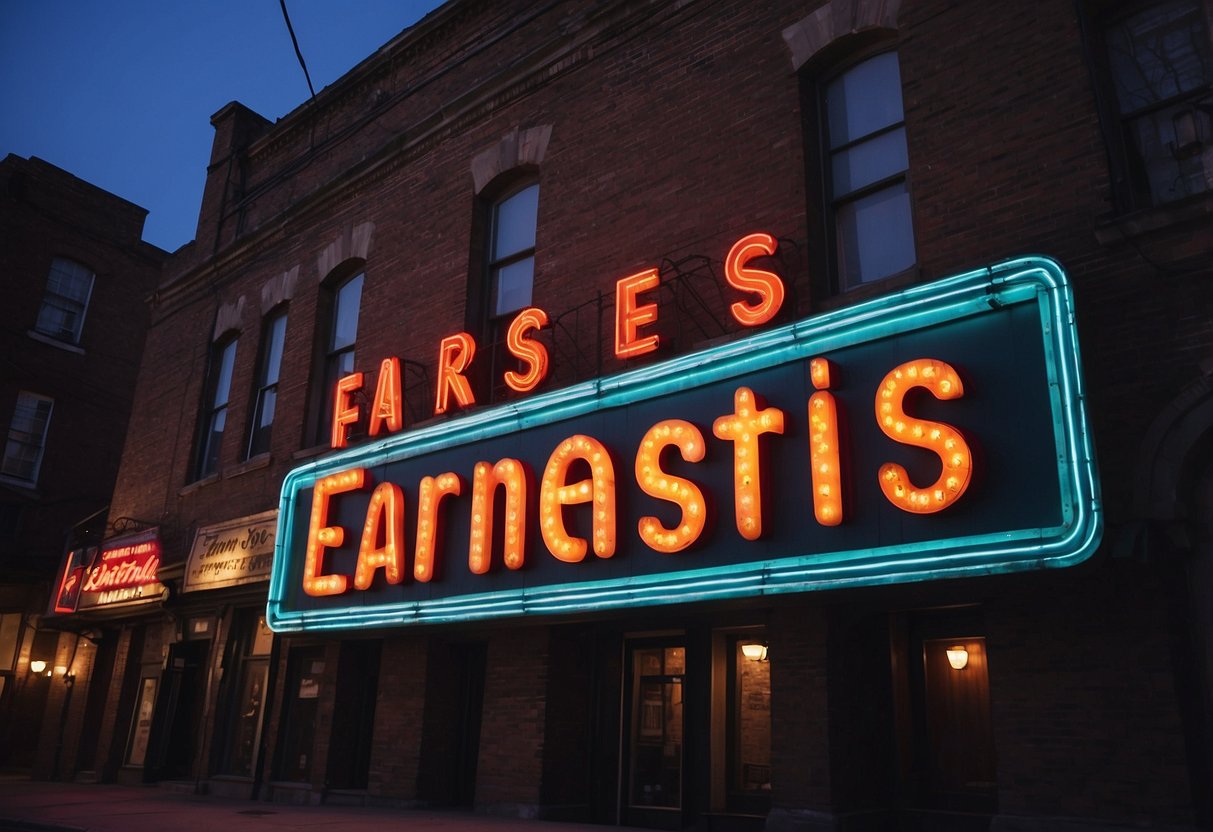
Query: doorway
x: 942, y: 686
x: 354, y: 715
x: 179, y: 715
x: 655, y: 730
x: 450, y: 742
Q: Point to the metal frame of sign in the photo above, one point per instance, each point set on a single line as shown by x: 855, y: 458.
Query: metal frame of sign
x: 1030, y: 280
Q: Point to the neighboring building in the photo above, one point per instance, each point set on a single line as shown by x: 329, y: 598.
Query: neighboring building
x: 1001, y: 634
x: 75, y: 275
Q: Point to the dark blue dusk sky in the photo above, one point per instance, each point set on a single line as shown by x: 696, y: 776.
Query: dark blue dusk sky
x: 120, y: 92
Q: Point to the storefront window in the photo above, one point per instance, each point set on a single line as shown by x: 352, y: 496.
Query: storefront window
x: 657, y: 727
x: 750, y: 734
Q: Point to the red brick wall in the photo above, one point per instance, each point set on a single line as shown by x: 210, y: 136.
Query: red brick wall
x: 675, y: 131
x: 395, y: 754
x: 508, y: 773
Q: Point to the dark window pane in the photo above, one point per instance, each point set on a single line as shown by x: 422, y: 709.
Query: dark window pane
x: 512, y: 286
x: 67, y: 292
x: 273, y: 362
x: 875, y: 236
x: 864, y: 99
x: 27, y: 437
x: 1158, y: 54
x: 514, y: 223
x: 223, y: 385
x: 869, y: 162
x: 345, y: 314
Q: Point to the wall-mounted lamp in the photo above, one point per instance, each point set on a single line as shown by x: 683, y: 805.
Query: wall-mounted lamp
x: 755, y: 651
x: 958, y: 657
x: 37, y: 666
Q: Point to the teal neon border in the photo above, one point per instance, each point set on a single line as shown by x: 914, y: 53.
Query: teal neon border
x: 1033, y: 279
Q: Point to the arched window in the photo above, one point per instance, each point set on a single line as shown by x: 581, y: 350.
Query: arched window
x: 340, y: 309
x: 265, y: 394
x: 216, y: 397
x: 866, y: 171
x: 511, y: 254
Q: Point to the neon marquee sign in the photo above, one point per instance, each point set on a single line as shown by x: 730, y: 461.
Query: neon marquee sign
x: 934, y: 433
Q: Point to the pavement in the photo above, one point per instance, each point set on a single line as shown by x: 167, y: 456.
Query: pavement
x: 38, y: 806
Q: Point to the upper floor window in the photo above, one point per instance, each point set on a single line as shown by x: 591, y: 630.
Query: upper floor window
x: 68, y: 288
x: 215, y: 403
x: 864, y: 150
x: 339, y: 340
x: 265, y: 396
x: 27, y: 437
x: 1160, y: 65
x: 512, y: 251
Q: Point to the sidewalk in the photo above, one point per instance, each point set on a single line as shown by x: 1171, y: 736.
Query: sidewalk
x: 36, y: 806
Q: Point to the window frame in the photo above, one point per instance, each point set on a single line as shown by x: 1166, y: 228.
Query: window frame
x: 494, y: 265
x: 1130, y: 182
x: 40, y: 445
x: 328, y: 356
x: 49, y: 297
x: 212, y: 407
x: 837, y: 285
x: 259, y: 437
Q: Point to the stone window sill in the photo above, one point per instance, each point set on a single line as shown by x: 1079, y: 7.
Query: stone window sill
x: 1116, y: 229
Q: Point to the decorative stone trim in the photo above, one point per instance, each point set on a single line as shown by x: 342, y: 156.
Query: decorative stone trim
x: 516, y: 148
x: 354, y: 242
x: 279, y: 289
x: 229, y: 317
x: 834, y: 20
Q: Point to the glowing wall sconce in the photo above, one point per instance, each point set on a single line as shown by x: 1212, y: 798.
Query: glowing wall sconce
x: 755, y: 652
x: 37, y: 666
x: 958, y: 657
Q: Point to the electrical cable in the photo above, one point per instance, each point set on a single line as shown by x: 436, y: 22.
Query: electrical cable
x: 298, y: 53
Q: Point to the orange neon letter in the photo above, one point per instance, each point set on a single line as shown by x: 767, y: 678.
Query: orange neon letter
x: 533, y: 353
x: 387, y: 409
x: 748, y: 421
x: 454, y: 355
x: 511, y: 474
x: 321, y: 536
x: 600, y: 488
x: 657, y: 483
x: 429, y: 529
x: 766, y: 285
x: 387, y: 510
x: 344, y: 412
x: 629, y: 317
x: 823, y: 447
x: 942, y: 440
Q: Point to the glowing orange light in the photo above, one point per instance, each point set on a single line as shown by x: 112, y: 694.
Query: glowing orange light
x: 429, y: 529
x: 629, y: 317
x: 321, y: 536
x: 767, y: 285
x: 387, y: 409
x: 344, y: 411
x: 387, y: 510
x: 823, y: 447
x: 748, y: 421
x: 599, y: 489
x: 454, y: 355
x: 941, y: 439
x: 485, y: 479
x: 657, y: 483
x: 533, y: 353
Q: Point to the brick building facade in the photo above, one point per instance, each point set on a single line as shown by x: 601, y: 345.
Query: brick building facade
x: 504, y: 155
x: 76, y: 276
